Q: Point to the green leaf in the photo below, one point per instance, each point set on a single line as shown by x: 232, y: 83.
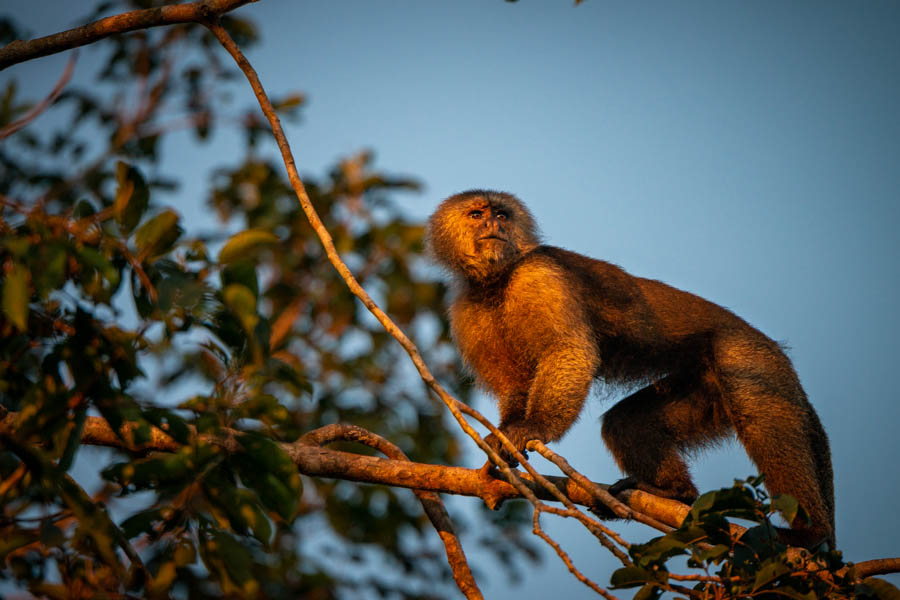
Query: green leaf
x: 158, y: 235
x: 787, y: 505
x: 660, y: 550
x: 52, y: 274
x: 230, y: 560
x: 242, y: 303
x: 93, y: 520
x: 15, y: 295
x: 769, y: 571
x: 141, y: 522
x: 132, y: 197
x: 627, y: 577
x: 73, y: 441
x: 243, y: 245
x: 242, y: 272
x: 243, y: 511
x: 714, y: 554
x: 648, y: 592
x: 267, y: 469
x: 290, y: 101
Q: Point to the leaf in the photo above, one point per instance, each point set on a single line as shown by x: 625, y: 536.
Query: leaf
x: 631, y: 577
x: 93, y: 520
x: 158, y: 235
x: 267, y: 469
x: 648, y: 592
x: 290, y: 101
x: 15, y: 295
x: 132, y: 197
x: 714, y: 554
x: 141, y: 522
x: 243, y: 512
x: 244, y: 273
x: 660, y: 550
x: 243, y: 245
x: 242, y: 303
x: 787, y: 505
x: 230, y: 559
x: 769, y: 571
x: 73, y: 441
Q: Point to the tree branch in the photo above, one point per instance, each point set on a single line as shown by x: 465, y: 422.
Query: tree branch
x: 314, y: 461
x: 19, y: 51
x: 43, y: 104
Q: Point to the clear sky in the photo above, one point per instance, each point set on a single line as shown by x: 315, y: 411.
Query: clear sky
x: 748, y: 152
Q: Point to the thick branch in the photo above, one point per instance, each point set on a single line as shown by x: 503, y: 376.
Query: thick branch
x: 19, y: 51
x: 322, y: 462
x: 877, y: 566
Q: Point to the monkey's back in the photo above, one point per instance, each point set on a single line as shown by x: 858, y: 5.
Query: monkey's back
x: 642, y: 328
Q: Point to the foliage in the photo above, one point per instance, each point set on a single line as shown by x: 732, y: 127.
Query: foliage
x: 756, y: 565
x: 114, y: 305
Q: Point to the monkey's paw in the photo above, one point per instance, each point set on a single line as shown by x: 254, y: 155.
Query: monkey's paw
x: 497, y: 447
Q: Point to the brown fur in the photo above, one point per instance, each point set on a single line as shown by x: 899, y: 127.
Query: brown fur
x: 537, y: 324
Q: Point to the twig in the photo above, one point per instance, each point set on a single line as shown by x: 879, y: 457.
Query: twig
x: 600, y: 531
x: 538, y: 531
x: 618, y: 507
x: 43, y: 104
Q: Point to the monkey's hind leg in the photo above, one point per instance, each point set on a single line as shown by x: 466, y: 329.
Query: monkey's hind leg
x: 649, y: 432
x: 780, y: 431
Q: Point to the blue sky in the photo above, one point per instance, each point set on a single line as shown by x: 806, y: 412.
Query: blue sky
x: 747, y: 152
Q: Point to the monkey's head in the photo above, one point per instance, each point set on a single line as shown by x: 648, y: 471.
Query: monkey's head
x: 478, y: 233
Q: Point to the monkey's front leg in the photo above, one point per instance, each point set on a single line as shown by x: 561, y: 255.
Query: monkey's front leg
x: 560, y: 384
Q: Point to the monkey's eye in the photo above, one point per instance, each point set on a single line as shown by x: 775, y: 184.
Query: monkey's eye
x: 502, y: 215
x: 475, y: 214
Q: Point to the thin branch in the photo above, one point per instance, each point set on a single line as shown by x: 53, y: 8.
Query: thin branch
x: 19, y: 51
x: 43, y: 104
x: 538, y: 531
x: 604, y: 535
x: 600, y: 531
x: 596, y: 490
x: 431, y: 501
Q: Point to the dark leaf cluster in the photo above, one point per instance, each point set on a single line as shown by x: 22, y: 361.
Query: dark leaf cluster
x: 754, y: 564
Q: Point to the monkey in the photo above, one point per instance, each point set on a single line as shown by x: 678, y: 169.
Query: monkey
x: 537, y: 324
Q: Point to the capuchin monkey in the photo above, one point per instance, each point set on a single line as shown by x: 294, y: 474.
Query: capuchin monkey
x: 537, y: 324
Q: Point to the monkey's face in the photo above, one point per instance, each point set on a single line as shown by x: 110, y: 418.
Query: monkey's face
x: 479, y: 233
